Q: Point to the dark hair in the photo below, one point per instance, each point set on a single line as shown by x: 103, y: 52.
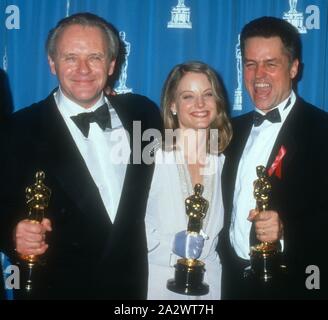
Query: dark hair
x: 169, y: 95
x: 6, y: 101
x: 268, y: 27
x: 85, y: 19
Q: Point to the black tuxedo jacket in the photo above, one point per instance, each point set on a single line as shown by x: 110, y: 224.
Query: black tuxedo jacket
x: 2, y: 286
x: 299, y: 197
x: 88, y: 256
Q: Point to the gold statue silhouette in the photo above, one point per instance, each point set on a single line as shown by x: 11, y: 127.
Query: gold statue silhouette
x: 265, y: 256
x: 189, y: 273
x: 37, y: 200
x: 196, y: 208
x: 262, y: 190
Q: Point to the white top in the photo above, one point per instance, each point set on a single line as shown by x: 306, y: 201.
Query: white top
x: 257, y: 152
x: 100, y: 150
x: 166, y: 215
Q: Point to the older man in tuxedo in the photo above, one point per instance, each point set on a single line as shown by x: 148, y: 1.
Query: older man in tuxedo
x: 289, y: 137
x: 93, y: 239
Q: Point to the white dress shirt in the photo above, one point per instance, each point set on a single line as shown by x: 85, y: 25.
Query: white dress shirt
x: 256, y: 152
x: 105, y: 153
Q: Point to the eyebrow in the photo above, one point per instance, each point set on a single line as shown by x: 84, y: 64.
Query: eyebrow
x: 191, y: 91
x: 185, y: 91
x: 65, y: 54
x: 266, y: 60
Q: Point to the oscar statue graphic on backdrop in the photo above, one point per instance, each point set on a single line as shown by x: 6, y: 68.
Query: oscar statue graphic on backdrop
x: 122, y: 87
x: 180, y: 16
x: 238, y: 98
x: 189, y: 273
x: 37, y: 200
x: 294, y: 17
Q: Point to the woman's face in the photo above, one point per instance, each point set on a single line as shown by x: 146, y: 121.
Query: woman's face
x: 194, y: 102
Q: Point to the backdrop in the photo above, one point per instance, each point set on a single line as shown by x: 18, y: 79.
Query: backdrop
x: 159, y: 34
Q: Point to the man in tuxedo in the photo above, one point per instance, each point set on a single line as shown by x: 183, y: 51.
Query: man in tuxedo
x: 92, y: 241
x: 6, y: 107
x: 289, y: 137
x: 6, y: 102
x: 2, y: 285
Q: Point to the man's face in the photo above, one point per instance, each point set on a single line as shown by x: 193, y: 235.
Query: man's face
x: 81, y: 64
x: 268, y: 73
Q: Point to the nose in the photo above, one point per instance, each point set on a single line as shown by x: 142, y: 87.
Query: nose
x: 83, y: 66
x: 200, y: 101
x: 259, y: 71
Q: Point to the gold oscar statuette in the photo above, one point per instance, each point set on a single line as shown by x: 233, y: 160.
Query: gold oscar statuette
x: 189, y: 273
x: 265, y: 257
x: 37, y: 200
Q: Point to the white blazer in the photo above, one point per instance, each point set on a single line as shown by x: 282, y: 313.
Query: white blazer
x: 166, y: 215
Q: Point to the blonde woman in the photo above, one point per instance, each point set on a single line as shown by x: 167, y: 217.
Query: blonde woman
x: 197, y: 132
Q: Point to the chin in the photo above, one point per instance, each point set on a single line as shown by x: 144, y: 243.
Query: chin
x: 264, y: 108
x: 204, y: 127
x: 262, y: 105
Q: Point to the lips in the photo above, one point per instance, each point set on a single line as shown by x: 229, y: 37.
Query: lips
x: 261, y: 86
x: 82, y: 81
x: 262, y: 89
x: 200, y: 114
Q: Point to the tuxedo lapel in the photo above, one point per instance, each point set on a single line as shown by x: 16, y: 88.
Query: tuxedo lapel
x: 241, y: 131
x: 134, y: 173
x: 136, y: 181
x: 287, y: 137
x: 127, y: 121
x: 64, y: 160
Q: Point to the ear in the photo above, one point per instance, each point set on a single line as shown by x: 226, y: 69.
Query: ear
x: 173, y: 108
x: 52, y: 65
x: 294, y: 69
x: 111, y: 67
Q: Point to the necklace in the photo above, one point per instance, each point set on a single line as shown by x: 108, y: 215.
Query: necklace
x: 186, y: 186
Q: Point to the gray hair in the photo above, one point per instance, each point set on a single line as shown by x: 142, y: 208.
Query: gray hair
x: 85, y: 19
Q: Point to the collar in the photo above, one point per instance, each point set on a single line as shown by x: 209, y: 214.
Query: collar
x: 283, y: 110
x: 71, y: 108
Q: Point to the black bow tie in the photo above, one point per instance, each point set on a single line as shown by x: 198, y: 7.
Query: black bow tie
x: 272, y: 116
x: 101, y: 116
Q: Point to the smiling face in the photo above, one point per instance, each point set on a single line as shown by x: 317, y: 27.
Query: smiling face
x: 81, y: 64
x: 268, y: 73
x: 194, y: 102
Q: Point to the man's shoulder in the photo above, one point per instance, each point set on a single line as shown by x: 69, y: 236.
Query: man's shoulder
x: 311, y: 119
x: 31, y: 111
x: 242, y: 120
x: 29, y: 120
x: 243, y: 117
x: 133, y: 100
x: 311, y: 110
x: 135, y: 107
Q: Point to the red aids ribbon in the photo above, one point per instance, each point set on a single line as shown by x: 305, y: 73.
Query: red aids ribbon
x: 276, y: 165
